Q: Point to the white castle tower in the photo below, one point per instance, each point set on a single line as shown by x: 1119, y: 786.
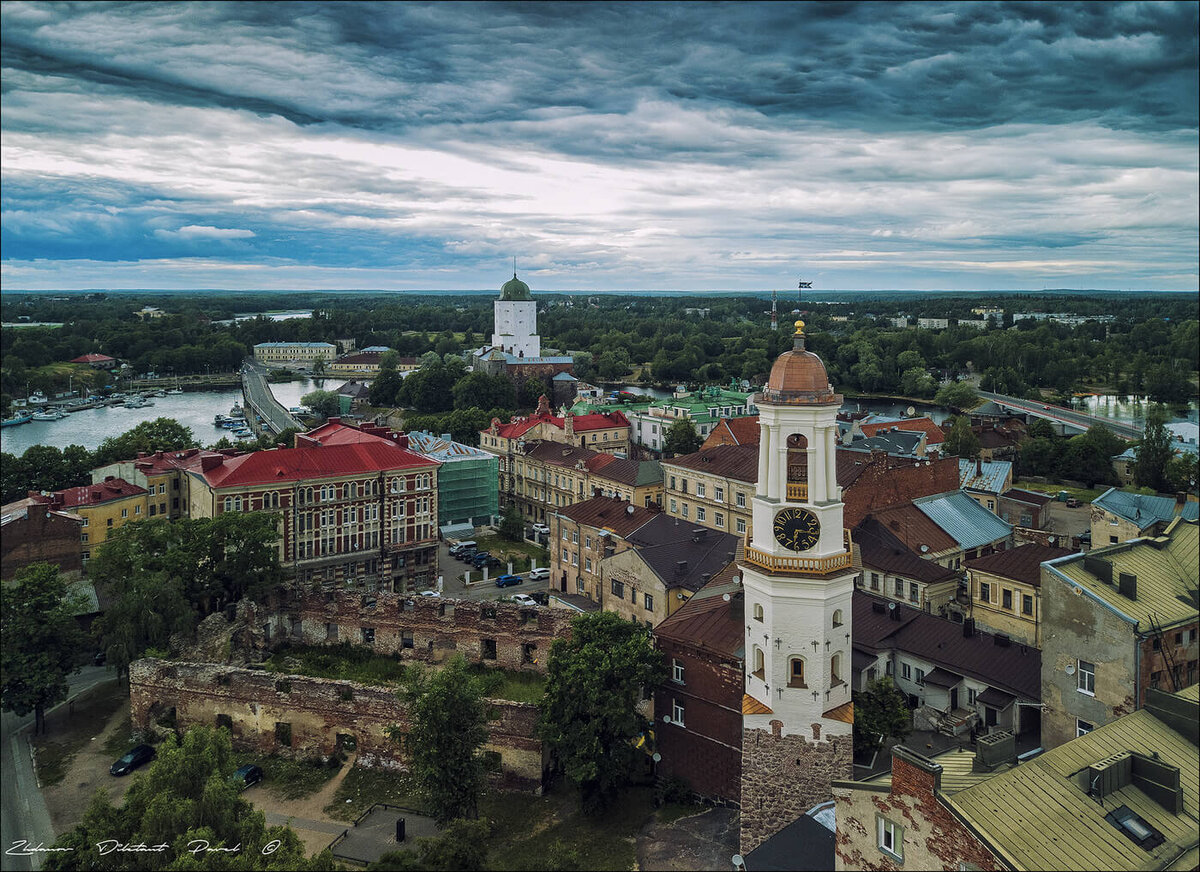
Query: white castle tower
x: 516, y: 320
x: 798, y: 579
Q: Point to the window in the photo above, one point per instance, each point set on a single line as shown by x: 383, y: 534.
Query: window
x: 124, y: 513
x: 283, y: 733
x: 673, y: 509
x: 970, y: 696
x: 1112, y: 540
x: 1086, y: 678
x: 700, y: 513
x: 700, y: 489
x: 677, y: 712
x: 837, y: 617
x: 891, y: 838
x: 368, y: 635
x: 1026, y: 604
x: 741, y: 500
x: 648, y: 602
x: 874, y: 581
x: 685, y: 510
x: 906, y: 671
x: 1082, y: 728
x: 985, y: 592
x: 758, y: 611
x: 587, y: 564
x: 914, y: 592
x: 900, y: 587
x: 487, y: 649
x: 718, y: 493
x: 741, y: 525
x: 83, y: 538
x: 676, y: 671
x: 796, y: 672
x: 1006, y: 598
x: 618, y: 589
x: 86, y: 522
x: 920, y: 675
x: 719, y: 519
x: 760, y: 669
x: 835, y: 669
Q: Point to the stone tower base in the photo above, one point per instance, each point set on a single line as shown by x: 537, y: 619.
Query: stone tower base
x: 785, y: 776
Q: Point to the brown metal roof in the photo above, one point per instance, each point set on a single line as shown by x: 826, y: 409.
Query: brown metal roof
x: 882, y: 550
x: 912, y: 527
x: 1022, y: 564
x: 608, y: 513
x: 738, y: 462
x: 708, y: 620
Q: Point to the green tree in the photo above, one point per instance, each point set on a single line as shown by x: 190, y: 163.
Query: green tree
x: 447, y: 727
x: 385, y: 386
x: 1040, y: 428
x: 185, y: 797
x: 318, y: 365
x: 589, y: 718
x: 1154, y: 451
x: 512, y: 524
x: 323, y: 403
x: 961, y: 441
x: 880, y: 712
x: 1038, y: 457
x: 161, y: 434
x: 1183, y: 473
x: 483, y: 391
x: 681, y: 438
x: 956, y: 395
x: 462, y: 845
x: 41, y: 641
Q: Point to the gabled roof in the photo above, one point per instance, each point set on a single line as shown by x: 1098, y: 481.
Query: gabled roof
x: 734, y: 431
x: 883, y: 551
x: 285, y: 466
x: 1145, y: 510
x: 914, y: 528
x: 1022, y: 564
x: 1167, y: 569
x: 18, y: 510
x: 634, y: 473
x: 1033, y: 498
x: 92, y: 357
x: 710, y: 621
x: 1040, y: 815
x: 442, y: 449
x: 597, y: 421
x: 970, y: 524
x: 933, y: 433
x: 984, y: 475
x: 682, y: 555
x: 738, y: 462
x: 608, y: 513
x: 92, y: 494
x: 899, y: 442
x: 1014, y: 667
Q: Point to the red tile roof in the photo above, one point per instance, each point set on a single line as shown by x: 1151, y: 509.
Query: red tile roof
x: 92, y: 494
x: 598, y: 463
x: 734, y: 431
x: 518, y: 427
x: 92, y: 357
x: 933, y: 433
x: 286, y: 465
x: 708, y: 620
x: 598, y: 421
x: 1020, y: 564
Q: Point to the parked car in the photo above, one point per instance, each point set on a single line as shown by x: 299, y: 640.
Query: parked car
x: 466, y: 555
x: 480, y: 557
x: 508, y: 580
x: 247, y: 776
x: 541, y: 528
x: 1072, y: 503
x: 522, y: 599
x: 138, y: 756
x: 429, y: 593
x: 458, y: 547
x: 539, y: 574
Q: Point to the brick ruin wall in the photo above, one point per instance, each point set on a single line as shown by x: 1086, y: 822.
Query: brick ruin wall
x: 319, y: 712
x: 783, y: 776
x: 430, y: 629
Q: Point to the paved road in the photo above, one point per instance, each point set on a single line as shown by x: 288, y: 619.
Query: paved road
x: 23, y: 813
x: 259, y: 397
x: 1067, y: 417
x: 450, y: 569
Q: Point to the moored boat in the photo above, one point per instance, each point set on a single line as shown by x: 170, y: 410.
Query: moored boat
x: 15, y: 419
x: 48, y: 415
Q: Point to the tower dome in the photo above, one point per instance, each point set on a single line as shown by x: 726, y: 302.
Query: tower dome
x: 799, y: 377
x: 515, y: 289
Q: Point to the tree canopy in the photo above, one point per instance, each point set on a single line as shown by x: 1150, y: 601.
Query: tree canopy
x: 589, y: 717
x: 961, y: 440
x: 1154, y: 451
x: 41, y: 640
x: 323, y: 403
x: 184, y: 800
x: 880, y: 713
x: 161, y: 434
x: 681, y: 438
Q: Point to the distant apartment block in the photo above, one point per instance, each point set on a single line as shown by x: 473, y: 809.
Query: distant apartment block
x: 294, y: 353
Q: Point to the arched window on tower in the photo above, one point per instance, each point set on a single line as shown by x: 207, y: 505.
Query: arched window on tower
x: 758, y: 611
x: 797, y: 467
x: 835, y: 670
x: 837, y: 617
x: 796, y: 672
x: 760, y: 669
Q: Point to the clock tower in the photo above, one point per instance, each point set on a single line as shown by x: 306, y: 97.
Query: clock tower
x: 798, y: 581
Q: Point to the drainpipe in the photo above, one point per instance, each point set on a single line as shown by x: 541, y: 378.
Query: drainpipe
x: 1137, y: 671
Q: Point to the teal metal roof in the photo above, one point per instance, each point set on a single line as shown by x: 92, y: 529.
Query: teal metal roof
x: 991, y: 478
x: 964, y: 520
x: 1145, y: 510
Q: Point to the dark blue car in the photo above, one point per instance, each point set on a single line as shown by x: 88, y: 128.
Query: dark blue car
x: 139, y: 756
x: 508, y: 580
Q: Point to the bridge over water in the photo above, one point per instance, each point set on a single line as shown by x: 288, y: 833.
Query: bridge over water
x: 259, y: 398
x: 1066, y: 420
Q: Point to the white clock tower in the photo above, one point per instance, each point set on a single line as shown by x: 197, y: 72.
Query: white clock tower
x: 798, y: 571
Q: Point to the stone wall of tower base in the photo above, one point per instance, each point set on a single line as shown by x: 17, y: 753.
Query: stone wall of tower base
x: 783, y: 776
x: 304, y: 717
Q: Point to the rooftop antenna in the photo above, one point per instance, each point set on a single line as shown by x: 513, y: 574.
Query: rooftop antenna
x: 514, y: 266
x: 774, y: 312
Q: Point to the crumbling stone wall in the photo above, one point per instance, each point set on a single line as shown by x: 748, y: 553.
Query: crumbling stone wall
x: 783, y: 776
x: 430, y: 629
x: 300, y: 716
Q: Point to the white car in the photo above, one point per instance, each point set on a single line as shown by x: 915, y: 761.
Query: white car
x: 429, y: 593
x: 541, y: 528
x: 539, y: 574
x: 524, y: 599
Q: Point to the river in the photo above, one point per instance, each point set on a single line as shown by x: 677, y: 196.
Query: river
x: 193, y: 409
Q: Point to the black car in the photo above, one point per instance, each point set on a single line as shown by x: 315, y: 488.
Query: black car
x: 139, y: 756
x: 247, y: 776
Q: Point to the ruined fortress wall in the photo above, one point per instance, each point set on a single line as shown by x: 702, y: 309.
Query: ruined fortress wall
x: 299, y: 716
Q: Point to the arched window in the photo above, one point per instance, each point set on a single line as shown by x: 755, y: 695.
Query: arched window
x: 797, y: 458
x: 835, y: 669
x: 229, y: 504
x: 796, y: 672
x: 837, y: 617
x: 759, y: 667
x: 237, y: 504
x: 352, y: 491
x: 758, y: 611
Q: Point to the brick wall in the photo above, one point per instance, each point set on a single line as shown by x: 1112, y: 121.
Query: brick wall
x: 38, y: 538
x: 932, y: 837
x: 318, y: 712
x: 707, y: 751
x: 785, y: 776
x: 1155, y: 660
x: 425, y: 628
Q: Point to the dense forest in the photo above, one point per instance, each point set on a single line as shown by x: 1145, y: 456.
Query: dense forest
x: 1151, y: 347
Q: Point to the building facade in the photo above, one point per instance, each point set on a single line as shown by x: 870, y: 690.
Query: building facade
x: 1006, y: 591
x: 712, y: 487
x: 303, y: 354
x: 31, y: 534
x: 104, y: 507
x: 468, y: 480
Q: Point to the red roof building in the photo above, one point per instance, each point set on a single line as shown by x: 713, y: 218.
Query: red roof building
x: 601, y: 431
x: 98, y: 361
x: 357, y: 505
x: 733, y: 431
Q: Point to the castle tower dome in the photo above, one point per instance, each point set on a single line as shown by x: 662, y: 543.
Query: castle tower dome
x: 516, y: 320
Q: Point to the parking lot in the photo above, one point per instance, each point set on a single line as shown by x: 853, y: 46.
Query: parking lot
x: 452, y: 570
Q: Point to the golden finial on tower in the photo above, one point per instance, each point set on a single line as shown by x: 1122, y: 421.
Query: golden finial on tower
x: 799, y: 328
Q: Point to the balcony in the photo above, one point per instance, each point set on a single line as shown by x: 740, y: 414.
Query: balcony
x: 808, y: 565
x: 797, y: 491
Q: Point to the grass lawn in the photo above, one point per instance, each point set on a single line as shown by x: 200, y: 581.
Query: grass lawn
x: 1083, y: 494
x: 510, y: 685
x: 289, y: 779
x: 519, y: 552
x: 344, y: 661
x: 363, y: 787
x: 68, y: 733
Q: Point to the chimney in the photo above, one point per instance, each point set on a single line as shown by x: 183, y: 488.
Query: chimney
x: 681, y: 567
x: 210, y: 462
x: 1001, y: 640
x: 335, y: 420
x: 109, y: 477
x: 994, y: 750
x: 979, y: 466
x: 1127, y: 585
x: 1180, y: 498
x: 698, y: 534
x: 968, y: 628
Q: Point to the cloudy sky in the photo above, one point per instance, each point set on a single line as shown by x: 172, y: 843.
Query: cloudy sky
x: 606, y: 146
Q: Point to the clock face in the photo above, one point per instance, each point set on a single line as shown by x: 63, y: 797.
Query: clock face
x: 797, y: 529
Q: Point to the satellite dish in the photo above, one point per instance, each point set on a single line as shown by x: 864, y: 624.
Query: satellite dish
x: 737, y: 579
x: 1070, y: 669
x: 666, y: 719
x: 910, y: 411
x: 725, y: 597
x: 924, y: 549
x: 738, y: 862
x: 891, y: 607
x: 629, y: 510
x: 1077, y: 590
x: 656, y: 757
